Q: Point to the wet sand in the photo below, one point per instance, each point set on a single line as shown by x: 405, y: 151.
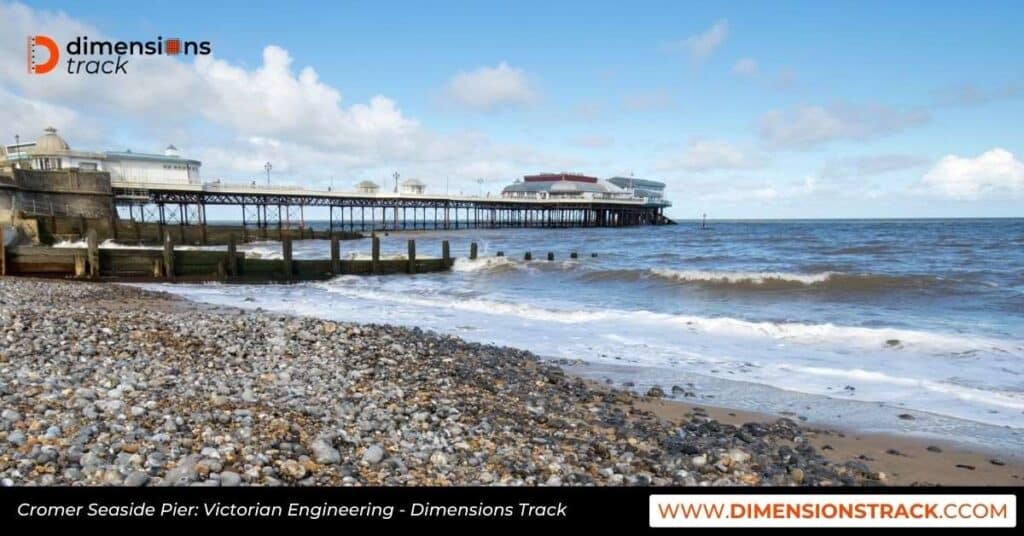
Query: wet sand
x: 904, y: 461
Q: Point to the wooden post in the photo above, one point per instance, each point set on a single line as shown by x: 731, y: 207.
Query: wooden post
x: 3, y: 253
x: 113, y: 223
x: 79, y: 265
x: 222, y: 270
x: 94, y: 254
x: 335, y: 255
x: 168, y: 257
x: 232, y: 265
x: 501, y: 254
x: 412, y: 256
x: 446, y: 253
x: 375, y: 255
x: 81, y: 226
x: 472, y: 251
x: 286, y: 252
x: 551, y: 256
x: 528, y: 256
x: 573, y: 255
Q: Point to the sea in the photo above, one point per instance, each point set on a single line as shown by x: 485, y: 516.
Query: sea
x: 884, y: 326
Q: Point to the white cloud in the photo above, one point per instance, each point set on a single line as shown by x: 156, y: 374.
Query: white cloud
x: 992, y: 174
x: 701, y: 46
x: 710, y: 155
x: 237, y: 117
x: 863, y: 166
x: 973, y: 95
x: 491, y: 88
x: 647, y: 101
x: 807, y: 127
x: 745, y: 68
x: 594, y: 142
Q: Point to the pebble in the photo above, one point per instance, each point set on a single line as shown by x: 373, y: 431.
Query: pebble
x: 144, y: 389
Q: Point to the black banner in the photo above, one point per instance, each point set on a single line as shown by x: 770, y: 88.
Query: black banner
x: 504, y: 508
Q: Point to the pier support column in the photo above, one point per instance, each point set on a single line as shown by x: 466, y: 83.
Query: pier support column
x: 446, y: 253
x: 472, y: 251
x: 202, y: 223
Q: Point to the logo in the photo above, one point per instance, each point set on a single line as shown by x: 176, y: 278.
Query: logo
x: 87, y: 56
x: 37, y: 44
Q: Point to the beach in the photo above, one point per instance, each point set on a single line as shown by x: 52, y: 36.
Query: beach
x: 105, y: 384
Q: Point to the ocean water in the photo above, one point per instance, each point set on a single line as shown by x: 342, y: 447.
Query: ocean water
x: 854, y: 323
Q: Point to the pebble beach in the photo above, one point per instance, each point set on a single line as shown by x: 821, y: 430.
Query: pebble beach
x: 103, y: 384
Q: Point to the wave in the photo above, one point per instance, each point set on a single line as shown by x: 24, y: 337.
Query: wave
x: 831, y: 335
x: 829, y: 281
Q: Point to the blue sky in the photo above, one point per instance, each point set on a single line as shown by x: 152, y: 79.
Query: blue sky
x: 746, y: 109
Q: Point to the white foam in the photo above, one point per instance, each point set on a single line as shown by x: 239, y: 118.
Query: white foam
x: 757, y: 278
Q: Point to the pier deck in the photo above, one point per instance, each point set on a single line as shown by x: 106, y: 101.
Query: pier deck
x: 283, y: 206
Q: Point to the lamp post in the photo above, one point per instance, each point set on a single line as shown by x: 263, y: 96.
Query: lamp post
x: 396, y: 181
x: 480, y: 187
x: 268, y: 167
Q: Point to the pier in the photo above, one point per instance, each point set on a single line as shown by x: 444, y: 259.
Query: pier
x: 268, y: 208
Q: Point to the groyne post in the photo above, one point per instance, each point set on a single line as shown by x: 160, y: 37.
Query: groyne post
x: 286, y: 253
x: 232, y: 260
x: 528, y: 256
x: 94, y: 254
x: 472, y: 251
x: 81, y: 226
x: 375, y: 256
x: 412, y: 257
x: 501, y: 254
x: 3, y: 253
x: 574, y: 255
x: 335, y: 255
x: 551, y: 256
x: 168, y: 257
x: 446, y: 253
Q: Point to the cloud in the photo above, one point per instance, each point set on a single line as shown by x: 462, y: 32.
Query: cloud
x: 973, y: 95
x: 236, y: 117
x: 594, y: 142
x: 708, y: 155
x: 807, y: 127
x: 491, y: 88
x: 745, y: 68
x: 647, y: 101
x: 701, y: 46
x: 863, y: 166
x: 993, y: 174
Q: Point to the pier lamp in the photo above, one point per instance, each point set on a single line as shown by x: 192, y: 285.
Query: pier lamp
x: 268, y: 167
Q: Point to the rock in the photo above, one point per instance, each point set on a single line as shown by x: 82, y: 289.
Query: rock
x: 16, y: 438
x: 230, y: 479
x: 655, y: 392
x: 699, y: 461
x: 997, y: 461
x: 906, y: 416
x: 373, y: 455
x: 293, y: 469
x: 136, y: 479
x: 797, y: 474
x: 933, y: 448
x: 965, y: 466
x: 323, y: 452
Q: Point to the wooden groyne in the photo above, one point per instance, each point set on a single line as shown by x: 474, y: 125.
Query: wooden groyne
x: 52, y: 229
x: 176, y: 263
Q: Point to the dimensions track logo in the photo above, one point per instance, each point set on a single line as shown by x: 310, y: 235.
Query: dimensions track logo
x: 85, y: 56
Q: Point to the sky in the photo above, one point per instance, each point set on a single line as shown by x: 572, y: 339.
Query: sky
x: 744, y: 109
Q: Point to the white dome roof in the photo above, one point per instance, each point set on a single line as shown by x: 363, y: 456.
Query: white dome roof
x: 412, y: 182
x: 367, y: 184
x: 50, y: 143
